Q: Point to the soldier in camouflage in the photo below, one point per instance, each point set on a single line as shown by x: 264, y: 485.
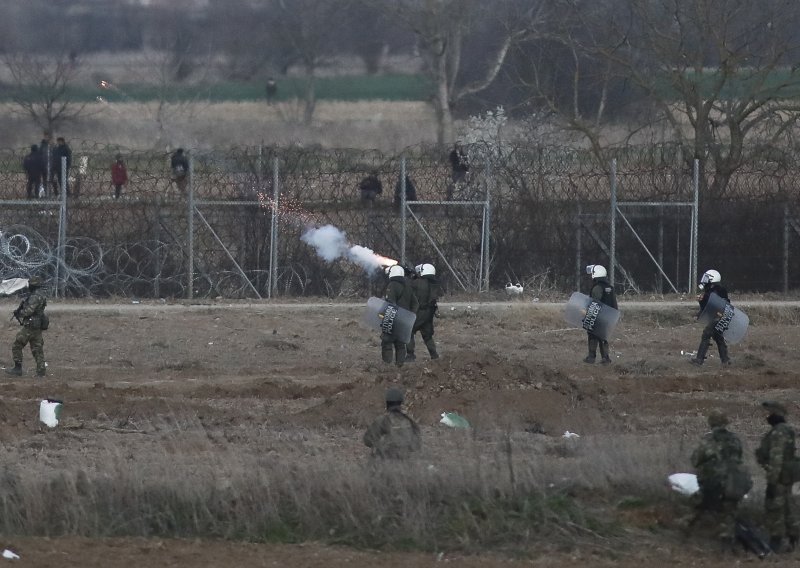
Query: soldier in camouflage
x: 776, y: 455
x: 393, y: 435
x: 427, y: 290
x: 30, y: 314
x: 715, y: 459
x: 400, y: 293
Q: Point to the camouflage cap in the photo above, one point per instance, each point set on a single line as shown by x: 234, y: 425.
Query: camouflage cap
x: 394, y: 394
x: 774, y: 407
x: 717, y: 419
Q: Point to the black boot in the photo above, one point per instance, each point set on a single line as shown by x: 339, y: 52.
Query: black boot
x: 16, y: 370
x: 701, y: 353
x: 723, y: 352
x: 605, y: 359
x: 410, y: 356
x: 592, y: 350
x: 431, y: 345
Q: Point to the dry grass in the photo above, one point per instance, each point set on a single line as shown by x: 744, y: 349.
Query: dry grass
x: 175, y: 477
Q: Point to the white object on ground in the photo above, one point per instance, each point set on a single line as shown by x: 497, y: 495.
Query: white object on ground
x: 569, y: 434
x: 683, y: 483
x: 454, y: 420
x: 49, y: 411
x: 12, y: 285
x: 514, y: 289
x: 10, y: 555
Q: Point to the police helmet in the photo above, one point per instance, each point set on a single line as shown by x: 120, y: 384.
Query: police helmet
x: 597, y: 271
x: 428, y: 270
x: 396, y: 270
x: 710, y: 277
x: 394, y: 395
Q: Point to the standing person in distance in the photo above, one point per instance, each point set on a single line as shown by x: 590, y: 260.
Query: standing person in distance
x: 119, y: 175
x: 61, y: 151
x: 603, y: 292
x: 179, y: 166
x: 427, y: 290
x: 710, y: 283
x: 400, y: 293
x: 30, y: 315
x: 776, y: 455
x: 32, y: 164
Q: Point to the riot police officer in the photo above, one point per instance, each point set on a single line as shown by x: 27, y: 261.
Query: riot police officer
x: 427, y: 290
x: 602, y: 292
x: 710, y: 284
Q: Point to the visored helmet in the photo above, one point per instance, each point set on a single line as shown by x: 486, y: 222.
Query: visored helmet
x: 710, y: 277
x: 418, y: 269
x: 396, y: 270
x: 597, y: 271
x: 428, y: 270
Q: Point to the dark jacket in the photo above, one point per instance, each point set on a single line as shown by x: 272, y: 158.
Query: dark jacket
x: 603, y: 292
x: 411, y: 191
x: 712, y: 288
x: 61, y: 151
x: 400, y: 293
x: 32, y: 164
x: 179, y: 165
x: 427, y: 290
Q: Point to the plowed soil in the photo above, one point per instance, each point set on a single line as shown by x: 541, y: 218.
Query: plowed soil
x: 513, y: 367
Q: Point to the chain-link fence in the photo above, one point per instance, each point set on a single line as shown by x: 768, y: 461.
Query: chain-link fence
x: 547, y: 213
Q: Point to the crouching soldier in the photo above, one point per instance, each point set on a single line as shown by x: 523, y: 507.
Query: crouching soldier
x: 30, y: 315
x: 394, y: 434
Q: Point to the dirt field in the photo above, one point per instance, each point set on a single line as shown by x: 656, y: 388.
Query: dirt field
x: 304, y: 381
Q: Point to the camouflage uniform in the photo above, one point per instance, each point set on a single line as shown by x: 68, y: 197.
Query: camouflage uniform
x: 394, y: 435
x: 400, y: 293
x: 427, y: 291
x: 602, y: 292
x: 775, y: 454
x: 31, y: 314
x: 719, y: 453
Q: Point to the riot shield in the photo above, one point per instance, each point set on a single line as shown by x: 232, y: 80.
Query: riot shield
x: 731, y: 321
x: 382, y: 316
x: 591, y: 315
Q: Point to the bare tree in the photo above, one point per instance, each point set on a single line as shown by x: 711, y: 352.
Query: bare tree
x: 720, y: 74
x: 443, y: 27
x: 41, y: 88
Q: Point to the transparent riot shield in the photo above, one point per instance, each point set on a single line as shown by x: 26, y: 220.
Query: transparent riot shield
x: 731, y: 321
x: 382, y: 316
x: 591, y: 315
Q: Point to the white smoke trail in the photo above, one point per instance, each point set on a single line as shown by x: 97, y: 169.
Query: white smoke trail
x: 331, y: 243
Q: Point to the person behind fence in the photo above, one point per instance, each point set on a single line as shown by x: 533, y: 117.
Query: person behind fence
x: 411, y: 191
x: 602, y: 291
x: 179, y: 166
x: 32, y: 164
x: 271, y: 90
x: 710, y: 284
x: 394, y: 434
x: 61, y: 151
x: 400, y: 293
x: 722, y: 478
x: 370, y: 187
x: 119, y: 175
x: 427, y: 289
x: 776, y: 454
x: 459, y: 168
x: 30, y: 315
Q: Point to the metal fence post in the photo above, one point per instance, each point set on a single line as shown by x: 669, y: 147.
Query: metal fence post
x: 695, y: 223
x: 786, y: 236
x: 61, y: 268
x: 273, y: 235
x: 487, y: 224
x: 403, y: 210
x: 578, y: 247
x: 190, y: 229
x: 613, y: 219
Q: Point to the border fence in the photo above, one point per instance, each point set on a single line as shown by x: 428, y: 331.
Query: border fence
x: 523, y: 214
